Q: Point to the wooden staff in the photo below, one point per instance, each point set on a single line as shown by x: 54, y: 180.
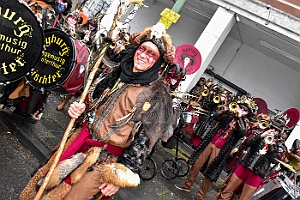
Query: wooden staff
x: 72, y: 121
x: 71, y: 124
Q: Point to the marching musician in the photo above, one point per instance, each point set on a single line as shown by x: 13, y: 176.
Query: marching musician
x: 254, y: 165
x: 196, y: 91
x: 200, y: 85
x: 257, y: 125
x: 216, y: 146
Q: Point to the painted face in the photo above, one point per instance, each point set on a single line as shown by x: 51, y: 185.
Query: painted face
x: 145, y: 56
x: 242, y: 111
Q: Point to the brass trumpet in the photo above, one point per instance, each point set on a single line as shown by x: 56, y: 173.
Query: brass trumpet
x: 263, y: 124
x: 269, y: 139
x: 217, y: 99
x: 113, y: 45
x: 205, y: 92
x: 233, y: 106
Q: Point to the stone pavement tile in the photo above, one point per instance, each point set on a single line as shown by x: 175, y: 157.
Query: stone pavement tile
x: 16, y: 164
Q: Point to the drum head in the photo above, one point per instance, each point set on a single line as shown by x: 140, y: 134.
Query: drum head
x: 293, y: 115
x: 56, y: 63
x: 21, y: 40
x: 262, y: 105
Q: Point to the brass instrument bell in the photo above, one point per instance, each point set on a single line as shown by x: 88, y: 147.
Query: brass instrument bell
x: 263, y: 124
x: 233, y: 106
x: 269, y: 139
x: 217, y: 99
x: 294, y: 160
x: 113, y: 45
x: 204, y: 92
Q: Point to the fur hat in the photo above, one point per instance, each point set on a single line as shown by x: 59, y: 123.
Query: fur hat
x: 156, y: 34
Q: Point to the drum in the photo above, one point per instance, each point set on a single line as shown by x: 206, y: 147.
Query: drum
x: 21, y: 41
x: 62, y: 65
x: 80, y: 69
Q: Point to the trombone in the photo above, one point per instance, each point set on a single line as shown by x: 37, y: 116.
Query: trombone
x: 200, y: 110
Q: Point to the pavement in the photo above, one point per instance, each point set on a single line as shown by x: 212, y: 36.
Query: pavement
x: 35, y: 141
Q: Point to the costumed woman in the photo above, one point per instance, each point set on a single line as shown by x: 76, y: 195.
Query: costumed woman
x: 130, y: 110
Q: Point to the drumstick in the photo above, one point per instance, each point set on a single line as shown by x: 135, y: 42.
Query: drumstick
x: 71, y: 123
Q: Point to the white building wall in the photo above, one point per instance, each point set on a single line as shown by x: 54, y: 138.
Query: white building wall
x: 261, y: 76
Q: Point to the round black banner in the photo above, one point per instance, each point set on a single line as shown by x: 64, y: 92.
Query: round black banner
x: 56, y: 63
x: 21, y: 40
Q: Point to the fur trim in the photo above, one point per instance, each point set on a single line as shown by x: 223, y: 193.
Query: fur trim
x: 119, y: 175
x: 91, y: 158
x: 58, y: 193
x: 159, y: 115
x: 63, y: 169
x: 30, y: 190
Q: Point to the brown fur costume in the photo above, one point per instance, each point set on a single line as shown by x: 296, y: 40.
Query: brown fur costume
x: 30, y: 189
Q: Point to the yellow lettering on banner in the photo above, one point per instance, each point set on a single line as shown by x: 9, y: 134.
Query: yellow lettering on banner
x: 12, y: 14
x: 59, y: 41
x: 14, y: 44
x: 20, y: 61
x: 36, y: 77
x: 54, y: 78
x: 12, y: 68
x: 55, y: 61
x: 4, y: 68
x: 24, y: 29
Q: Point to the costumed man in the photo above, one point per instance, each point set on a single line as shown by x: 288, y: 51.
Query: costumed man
x: 264, y: 190
x: 257, y: 125
x: 215, y: 148
x: 196, y: 91
x: 133, y: 113
x: 206, y: 121
x: 255, y: 164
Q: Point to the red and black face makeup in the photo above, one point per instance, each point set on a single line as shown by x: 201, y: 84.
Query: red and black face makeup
x: 150, y: 53
x: 145, y: 56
